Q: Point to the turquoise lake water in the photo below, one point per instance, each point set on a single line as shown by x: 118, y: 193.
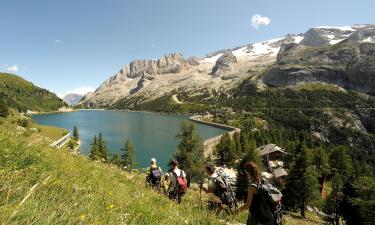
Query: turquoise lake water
x: 152, y: 134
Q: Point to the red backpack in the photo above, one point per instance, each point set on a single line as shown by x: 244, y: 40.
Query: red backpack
x: 181, y: 183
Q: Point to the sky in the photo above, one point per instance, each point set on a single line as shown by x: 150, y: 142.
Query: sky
x: 74, y: 45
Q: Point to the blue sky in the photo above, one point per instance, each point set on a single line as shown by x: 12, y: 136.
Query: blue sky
x: 63, y: 45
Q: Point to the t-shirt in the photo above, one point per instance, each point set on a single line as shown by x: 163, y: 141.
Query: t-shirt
x: 173, y: 180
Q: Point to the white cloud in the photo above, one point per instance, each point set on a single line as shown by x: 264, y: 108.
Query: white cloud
x: 257, y: 20
x: 81, y: 90
x: 57, y: 41
x: 12, y: 69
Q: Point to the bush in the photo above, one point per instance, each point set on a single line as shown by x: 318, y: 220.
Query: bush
x: 24, y: 122
x: 4, y: 110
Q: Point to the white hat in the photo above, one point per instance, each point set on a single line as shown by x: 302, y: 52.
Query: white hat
x: 153, y: 160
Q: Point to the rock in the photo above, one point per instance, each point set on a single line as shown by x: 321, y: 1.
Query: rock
x: 224, y: 64
x: 350, y: 65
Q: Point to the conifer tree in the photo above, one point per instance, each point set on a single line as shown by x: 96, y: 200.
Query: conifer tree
x: 302, y: 185
x: 116, y: 160
x: 75, y: 133
x: 128, y: 156
x: 321, y: 161
x: 251, y: 154
x: 237, y: 145
x: 190, y: 152
x: 225, y: 150
x: 102, y: 146
x: 94, y: 151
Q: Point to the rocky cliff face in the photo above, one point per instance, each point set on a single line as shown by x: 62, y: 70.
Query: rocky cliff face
x: 348, y: 64
x: 224, y: 64
x: 338, y: 55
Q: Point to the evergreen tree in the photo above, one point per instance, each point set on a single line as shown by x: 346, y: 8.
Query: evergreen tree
x: 321, y: 161
x: 242, y: 181
x: 364, y: 199
x: 94, y: 151
x: 237, y: 145
x: 225, y: 150
x: 102, y: 146
x: 340, y: 162
x: 333, y: 201
x: 116, y: 160
x: 75, y: 133
x: 128, y: 156
x: 4, y: 110
x: 190, y: 152
x: 302, y: 185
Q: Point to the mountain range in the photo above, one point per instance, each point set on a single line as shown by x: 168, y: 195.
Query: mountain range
x: 342, y: 56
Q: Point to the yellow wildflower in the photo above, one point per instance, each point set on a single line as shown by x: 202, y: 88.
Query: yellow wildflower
x: 110, y: 193
x: 82, y: 217
x: 110, y: 206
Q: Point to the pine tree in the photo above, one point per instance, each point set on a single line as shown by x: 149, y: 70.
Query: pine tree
x: 102, y: 146
x: 237, y: 145
x: 225, y: 150
x: 128, y: 156
x: 321, y: 161
x: 190, y: 152
x: 364, y: 199
x: 75, y: 133
x: 116, y: 160
x: 242, y: 181
x: 302, y: 185
x: 340, y: 162
x: 94, y: 151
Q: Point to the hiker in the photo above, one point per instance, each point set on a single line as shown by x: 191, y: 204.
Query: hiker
x: 220, y: 187
x: 154, y: 174
x: 263, y: 200
x: 178, y: 183
x: 165, y: 184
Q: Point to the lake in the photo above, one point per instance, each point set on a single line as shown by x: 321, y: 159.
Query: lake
x: 152, y: 134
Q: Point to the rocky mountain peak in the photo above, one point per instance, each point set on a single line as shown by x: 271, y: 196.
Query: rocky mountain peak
x: 224, y: 64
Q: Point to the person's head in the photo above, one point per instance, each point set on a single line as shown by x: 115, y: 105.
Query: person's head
x: 174, y: 164
x: 153, y: 161
x: 210, y: 169
x: 252, y: 169
x: 166, y: 176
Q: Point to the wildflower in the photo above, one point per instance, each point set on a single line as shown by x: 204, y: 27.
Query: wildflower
x: 110, y: 193
x: 82, y: 217
x: 110, y: 206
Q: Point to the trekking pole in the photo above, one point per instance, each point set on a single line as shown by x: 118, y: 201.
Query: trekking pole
x: 200, y: 195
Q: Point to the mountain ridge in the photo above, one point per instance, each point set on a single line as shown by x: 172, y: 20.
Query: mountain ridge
x: 150, y: 79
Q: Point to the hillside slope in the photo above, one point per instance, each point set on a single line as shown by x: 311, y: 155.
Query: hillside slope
x: 21, y: 94
x: 40, y: 185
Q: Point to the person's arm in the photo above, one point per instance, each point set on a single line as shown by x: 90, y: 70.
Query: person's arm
x: 250, y: 193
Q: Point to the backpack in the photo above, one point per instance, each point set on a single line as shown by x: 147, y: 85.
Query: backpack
x: 155, y: 175
x: 223, y: 190
x: 270, y: 203
x: 181, y: 183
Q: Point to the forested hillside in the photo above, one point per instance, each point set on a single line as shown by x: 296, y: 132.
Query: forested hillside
x: 20, y: 94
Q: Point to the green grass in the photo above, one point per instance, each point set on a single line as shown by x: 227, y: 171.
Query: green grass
x: 53, y: 133
x: 21, y: 94
x: 74, y: 190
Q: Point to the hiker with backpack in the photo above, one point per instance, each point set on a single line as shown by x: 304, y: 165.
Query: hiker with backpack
x: 221, y: 188
x: 178, y: 183
x: 154, y: 174
x: 263, y: 200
